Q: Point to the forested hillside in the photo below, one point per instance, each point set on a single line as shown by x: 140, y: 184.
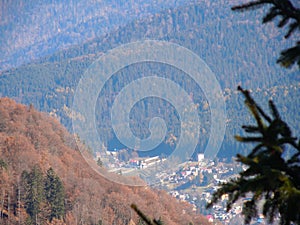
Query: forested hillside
x: 235, y: 47
x: 30, y: 30
x: 45, y: 180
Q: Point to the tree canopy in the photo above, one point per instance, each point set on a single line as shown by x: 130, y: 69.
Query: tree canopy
x: 271, y: 177
x: 289, y: 16
x: 55, y: 195
x: 272, y: 174
x: 44, y: 197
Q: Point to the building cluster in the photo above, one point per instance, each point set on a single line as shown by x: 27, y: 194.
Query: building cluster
x: 195, y: 182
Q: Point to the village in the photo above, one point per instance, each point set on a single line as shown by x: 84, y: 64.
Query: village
x: 193, y: 181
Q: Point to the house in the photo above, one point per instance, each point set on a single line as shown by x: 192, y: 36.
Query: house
x: 210, y: 218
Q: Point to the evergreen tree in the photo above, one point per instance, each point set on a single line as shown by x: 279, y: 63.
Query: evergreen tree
x: 43, y: 196
x: 289, y: 16
x: 270, y: 177
x: 55, y: 195
x: 33, y: 183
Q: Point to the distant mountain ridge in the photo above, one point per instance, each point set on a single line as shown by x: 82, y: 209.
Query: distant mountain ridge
x: 30, y: 30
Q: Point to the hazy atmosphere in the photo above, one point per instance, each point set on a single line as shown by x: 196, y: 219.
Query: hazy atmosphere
x: 138, y: 112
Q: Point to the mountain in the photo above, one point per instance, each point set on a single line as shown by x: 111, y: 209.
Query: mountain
x: 30, y: 139
x: 30, y: 30
x: 234, y: 46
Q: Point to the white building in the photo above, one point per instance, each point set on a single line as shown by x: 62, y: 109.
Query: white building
x: 200, y: 157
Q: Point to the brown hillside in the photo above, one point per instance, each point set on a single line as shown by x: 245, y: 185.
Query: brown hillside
x: 29, y: 138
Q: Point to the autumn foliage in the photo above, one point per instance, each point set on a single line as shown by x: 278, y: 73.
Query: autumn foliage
x: 29, y: 138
